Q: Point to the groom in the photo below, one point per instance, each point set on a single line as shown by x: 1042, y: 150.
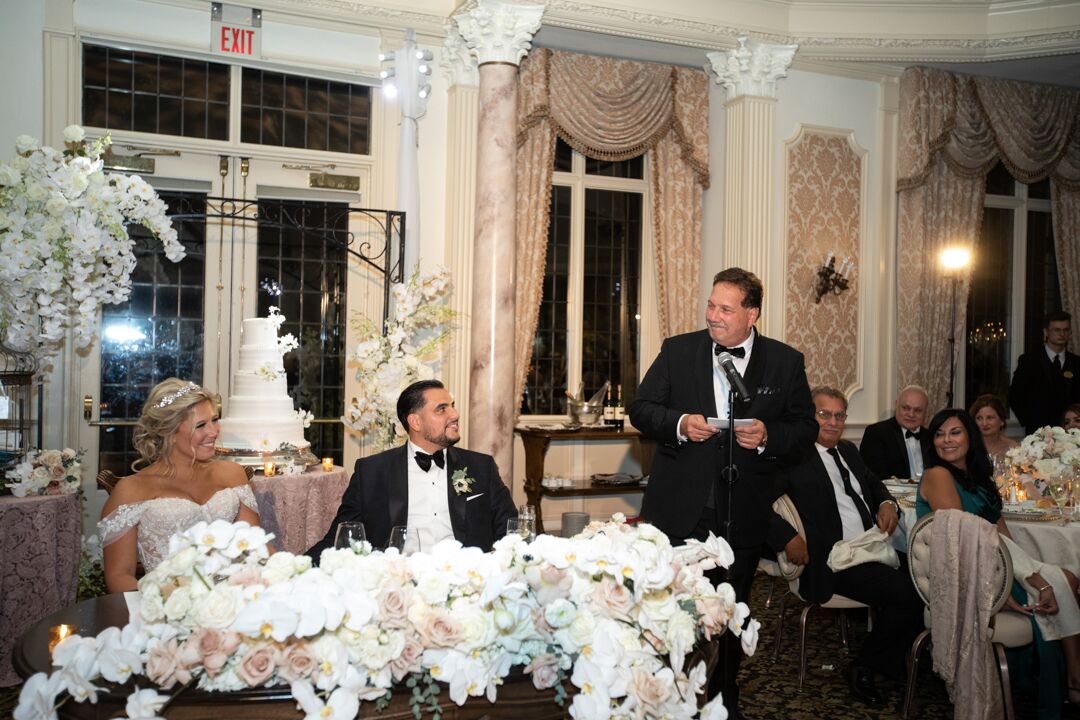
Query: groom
x: 415, y: 484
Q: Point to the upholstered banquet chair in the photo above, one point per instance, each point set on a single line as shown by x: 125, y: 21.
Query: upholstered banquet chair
x: 791, y: 572
x: 1010, y: 629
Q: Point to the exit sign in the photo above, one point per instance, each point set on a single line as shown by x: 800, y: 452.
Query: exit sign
x: 235, y: 30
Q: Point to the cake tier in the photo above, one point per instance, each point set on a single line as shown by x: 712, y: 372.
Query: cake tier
x: 251, y: 359
x: 249, y: 385
x: 260, y: 433
x: 255, y: 407
x: 259, y: 333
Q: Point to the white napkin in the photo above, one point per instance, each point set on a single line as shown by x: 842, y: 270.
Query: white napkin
x: 134, y: 601
x: 872, y: 546
x: 1067, y: 620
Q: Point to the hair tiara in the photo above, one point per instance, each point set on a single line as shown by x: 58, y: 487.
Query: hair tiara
x: 173, y: 397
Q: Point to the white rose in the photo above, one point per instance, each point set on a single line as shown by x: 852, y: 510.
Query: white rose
x: 178, y: 604
x: 151, y: 604
x: 582, y: 629
x: 26, y: 143
x: 74, y: 134
x: 9, y: 175
x: 560, y: 613
x: 433, y: 588
x: 218, y: 608
x: 56, y: 205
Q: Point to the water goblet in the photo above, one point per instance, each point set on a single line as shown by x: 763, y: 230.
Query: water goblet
x: 406, y: 540
x: 525, y: 527
x: 350, y: 536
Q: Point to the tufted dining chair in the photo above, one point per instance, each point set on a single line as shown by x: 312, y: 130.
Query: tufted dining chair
x: 1010, y: 629
x: 791, y: 572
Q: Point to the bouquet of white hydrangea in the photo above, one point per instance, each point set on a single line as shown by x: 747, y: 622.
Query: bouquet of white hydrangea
x: 63, y: 227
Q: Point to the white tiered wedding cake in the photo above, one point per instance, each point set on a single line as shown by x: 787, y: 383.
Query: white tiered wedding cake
x: 260, y: 417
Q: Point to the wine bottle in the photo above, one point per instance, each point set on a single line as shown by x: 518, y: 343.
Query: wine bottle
x: 620, y: 412
x: 609, y: 409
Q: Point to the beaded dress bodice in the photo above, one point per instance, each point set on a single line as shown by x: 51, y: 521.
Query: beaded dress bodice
x: 157, y: 519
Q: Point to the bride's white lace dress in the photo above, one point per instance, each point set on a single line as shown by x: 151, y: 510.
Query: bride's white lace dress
x: 159, y: 518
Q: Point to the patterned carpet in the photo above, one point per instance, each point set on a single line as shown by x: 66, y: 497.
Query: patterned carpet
x: 769, y: 690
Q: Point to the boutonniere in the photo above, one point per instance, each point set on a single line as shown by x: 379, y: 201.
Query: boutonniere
x: 462, y: 482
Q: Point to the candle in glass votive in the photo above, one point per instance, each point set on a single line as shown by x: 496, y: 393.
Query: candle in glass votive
x: 1021, y: 495
x: 57, y: 633
x: 328, y: 464
x: 268, y: 469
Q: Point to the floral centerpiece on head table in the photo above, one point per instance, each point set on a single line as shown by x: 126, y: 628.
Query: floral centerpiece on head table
x: 47, y: 472
x: 612, y: 614
x: 387, y: 363
x: 63, y: 228
x: 1046, y: 455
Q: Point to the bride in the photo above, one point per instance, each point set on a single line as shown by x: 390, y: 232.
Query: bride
x: 177, y: 482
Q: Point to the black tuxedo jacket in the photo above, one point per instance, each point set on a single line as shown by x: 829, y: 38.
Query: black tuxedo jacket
x: 679, y: 382
x: 378, y: 496
x: 1039, y: 393
x: 810, y: 489
x: 884, y: 451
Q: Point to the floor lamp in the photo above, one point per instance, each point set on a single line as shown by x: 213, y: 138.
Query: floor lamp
x: 954, y: 260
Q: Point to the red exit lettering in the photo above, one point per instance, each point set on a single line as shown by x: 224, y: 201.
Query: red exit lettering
x: 237, y: 40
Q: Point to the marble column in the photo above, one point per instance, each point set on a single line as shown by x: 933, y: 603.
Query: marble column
x: 749, y: 73
x: 499, y: 35
x: 459, y: 67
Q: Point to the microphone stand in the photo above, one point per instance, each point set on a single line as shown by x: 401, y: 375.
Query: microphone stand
x: 728, y: 475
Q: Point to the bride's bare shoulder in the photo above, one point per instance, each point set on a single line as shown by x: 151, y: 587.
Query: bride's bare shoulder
x: 228, y: 474
x: 138, y: 487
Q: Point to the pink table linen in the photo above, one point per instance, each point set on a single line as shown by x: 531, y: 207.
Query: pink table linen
x: 41, y: 538
x: 298, y: 509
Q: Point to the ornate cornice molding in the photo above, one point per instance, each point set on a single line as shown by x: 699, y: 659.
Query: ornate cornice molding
x: 752, y: 68
x: 498, y: 31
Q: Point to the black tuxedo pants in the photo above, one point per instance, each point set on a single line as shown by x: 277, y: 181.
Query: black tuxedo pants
x: 741, y: 577
x: 898, y: 613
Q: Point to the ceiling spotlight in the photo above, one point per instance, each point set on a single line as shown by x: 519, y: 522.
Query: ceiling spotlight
x: 424, y: 55
x: 424, y: 69
x: 387, y: 73
x: 386, y: 56
x: 389, y: 90
x: 424, y: 91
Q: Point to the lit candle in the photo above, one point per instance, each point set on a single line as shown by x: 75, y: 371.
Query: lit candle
x: 57, y: 633
x: 1021, y: 494
x: 328, y: 464
x: 268, y: 469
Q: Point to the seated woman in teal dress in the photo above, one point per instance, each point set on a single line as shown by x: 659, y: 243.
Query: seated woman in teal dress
x: 959, y: 476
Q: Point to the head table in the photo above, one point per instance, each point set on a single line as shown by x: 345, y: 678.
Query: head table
x: 41, y: 537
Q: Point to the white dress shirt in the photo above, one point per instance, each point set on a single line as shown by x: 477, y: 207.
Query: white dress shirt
x: 720, y: 381
x: 850, y: 519
x: 1052, y: 354
x: 914, y: 453
x: 429, y: 504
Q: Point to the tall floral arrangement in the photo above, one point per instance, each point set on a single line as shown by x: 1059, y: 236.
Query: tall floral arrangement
x: 387, y: 363
x: 612, y: 614
x: 66, y: 247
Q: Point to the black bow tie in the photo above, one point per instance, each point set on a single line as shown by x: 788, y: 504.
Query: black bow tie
x: 734, y: 352
x: 910, y: 434
x: 424, y: 460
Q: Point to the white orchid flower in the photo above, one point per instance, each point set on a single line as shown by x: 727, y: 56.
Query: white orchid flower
x: 145, y: 704
x: 343, y: 704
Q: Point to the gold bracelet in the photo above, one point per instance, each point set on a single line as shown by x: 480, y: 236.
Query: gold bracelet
x: 1047, y: 586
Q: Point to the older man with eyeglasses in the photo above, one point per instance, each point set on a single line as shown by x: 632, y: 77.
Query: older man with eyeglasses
x: 839, y: 498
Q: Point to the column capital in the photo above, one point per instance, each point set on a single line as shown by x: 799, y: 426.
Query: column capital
x: 457, y: 60
x: 752, y: 68
x: 498, y: 31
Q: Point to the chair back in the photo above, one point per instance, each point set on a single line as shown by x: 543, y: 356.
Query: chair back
x: 106, y: 480
x: 786, y: 509
x: 919, y: 564
x: 249, y: 470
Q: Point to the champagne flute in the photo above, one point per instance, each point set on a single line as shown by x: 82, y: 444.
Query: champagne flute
x: 525, y: 527
x: 350, y: 536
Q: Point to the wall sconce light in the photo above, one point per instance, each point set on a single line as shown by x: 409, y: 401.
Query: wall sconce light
x: 832, y: 279
x: 954, y: 260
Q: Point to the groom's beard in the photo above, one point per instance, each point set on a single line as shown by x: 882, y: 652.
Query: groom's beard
x: 442, y: 440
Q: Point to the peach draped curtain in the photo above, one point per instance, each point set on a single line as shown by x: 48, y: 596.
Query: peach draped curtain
x: 613, y: 110
x: 953, y: 130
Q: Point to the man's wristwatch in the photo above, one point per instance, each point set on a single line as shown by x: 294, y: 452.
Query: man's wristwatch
x: 896, y: 505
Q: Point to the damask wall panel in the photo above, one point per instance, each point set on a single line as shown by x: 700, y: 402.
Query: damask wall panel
x: 823, y: 206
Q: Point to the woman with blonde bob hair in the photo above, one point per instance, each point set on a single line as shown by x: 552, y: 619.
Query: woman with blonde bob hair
x: 176, y: 482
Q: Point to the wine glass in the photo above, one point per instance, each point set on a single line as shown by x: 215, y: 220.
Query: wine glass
x: 1061, y: 489
x: 406, y: 541
x: 350, y: 536
x: 523, y: 526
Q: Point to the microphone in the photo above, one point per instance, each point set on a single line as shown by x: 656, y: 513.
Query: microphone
x: 727, y: 364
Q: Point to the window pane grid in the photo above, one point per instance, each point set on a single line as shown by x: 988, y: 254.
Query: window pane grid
x: 156, y: 334
x: 144, y: 92
x: 305, y: 277
x: 310, y: 113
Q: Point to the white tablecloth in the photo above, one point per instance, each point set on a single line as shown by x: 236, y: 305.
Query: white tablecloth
x: 1047, y: 541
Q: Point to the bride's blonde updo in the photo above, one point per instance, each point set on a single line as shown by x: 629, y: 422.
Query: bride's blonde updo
x: 168, y: 404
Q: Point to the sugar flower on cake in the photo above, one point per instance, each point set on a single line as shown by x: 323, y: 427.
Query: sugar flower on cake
x: 305, y: 417
x: 267, y: 372
x: 63, y: 227
x: 387, y: 362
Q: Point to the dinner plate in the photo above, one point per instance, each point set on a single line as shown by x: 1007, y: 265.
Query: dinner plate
x: 1032, y: 515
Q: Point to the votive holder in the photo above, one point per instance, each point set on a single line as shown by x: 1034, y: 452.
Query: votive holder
x: 269, y: 469
x: 58, y: 633
x: 328, y: 464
